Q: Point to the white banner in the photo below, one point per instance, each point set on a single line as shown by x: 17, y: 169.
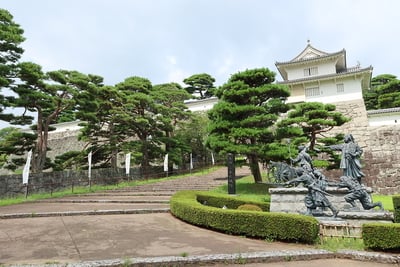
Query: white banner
x: 25, y: 172
x: 166, y: 163
x: 127, y: 163
x: 191, y: 162
x: 89, y: 157
x: 212, y: 158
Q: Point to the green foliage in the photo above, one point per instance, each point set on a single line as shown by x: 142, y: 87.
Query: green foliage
x: 69, y: 160
x: 339, y: 243
x: 202, y: 84
x: 313, y: 120
x: 384, y: 92
x: 11, y: 36
x: 242, y: 121
x: 172, y: 113
x: 333, y: 159
x: 190, y: 137
x: 266, y: 225
x: 381, y: 236
x: 249, y: 207
x: 15, y: 142
x: 247, y: 189
x: 396, y: 207
x: 220, y: 200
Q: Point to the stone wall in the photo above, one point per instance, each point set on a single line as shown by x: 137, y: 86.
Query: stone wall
x: 61, y: 142
x: 381, y: 157
x: 11, y: 185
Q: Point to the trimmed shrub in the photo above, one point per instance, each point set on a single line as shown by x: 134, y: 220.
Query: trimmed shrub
x: 249, y: 207
x: 266, y: 225
x: 381, y: 236
x: 396, y: 207
x: 219, y: 200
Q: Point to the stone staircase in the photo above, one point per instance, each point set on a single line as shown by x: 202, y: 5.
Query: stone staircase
x: 147, y: 198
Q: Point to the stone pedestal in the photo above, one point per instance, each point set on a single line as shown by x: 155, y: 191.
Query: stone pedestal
x: 291, y: 200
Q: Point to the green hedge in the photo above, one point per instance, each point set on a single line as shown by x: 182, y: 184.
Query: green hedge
x: 187, y: 206
x: 381, y: 236
x: 396, y: 207
x: 219, y: 200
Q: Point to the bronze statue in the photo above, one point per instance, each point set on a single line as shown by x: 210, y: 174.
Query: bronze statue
x: 303, y: 159
x: 357, y: 192
x: 350, y: 162
x: 316, y: 196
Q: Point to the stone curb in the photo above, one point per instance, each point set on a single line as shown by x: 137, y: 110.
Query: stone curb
x: 82, y: 213
x: 103, y: 201
x: 236, y: 258
x: 368, y: 256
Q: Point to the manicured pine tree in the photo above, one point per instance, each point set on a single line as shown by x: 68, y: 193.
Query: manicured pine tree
x: 243, y: 119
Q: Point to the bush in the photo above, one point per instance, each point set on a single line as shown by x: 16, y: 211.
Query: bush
x: 218, y: 200
x: 187, y: 206
x: 249, y: 207
x: 396, y: 207
x: 381, y: 236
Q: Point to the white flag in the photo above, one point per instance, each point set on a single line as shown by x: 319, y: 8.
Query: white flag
x: 212, y: 158
x: 25, y: 172
x: 127, y: 163
x: 191, y: 161
x: 90, y: 164
x: 166, y: 163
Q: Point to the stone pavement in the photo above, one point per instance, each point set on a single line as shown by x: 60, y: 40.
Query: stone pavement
x: 133, y: 226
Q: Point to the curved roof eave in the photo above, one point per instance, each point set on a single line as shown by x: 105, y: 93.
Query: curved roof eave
x: 349, y: 72
x: 311, y: 59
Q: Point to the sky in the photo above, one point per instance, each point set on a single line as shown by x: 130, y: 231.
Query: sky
x: 170, y: 40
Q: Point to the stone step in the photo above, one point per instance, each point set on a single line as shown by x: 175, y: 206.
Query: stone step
x: 84, y: 213
x: 47, y: 207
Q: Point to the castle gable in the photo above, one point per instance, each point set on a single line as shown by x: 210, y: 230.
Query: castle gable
x: 308, y: 53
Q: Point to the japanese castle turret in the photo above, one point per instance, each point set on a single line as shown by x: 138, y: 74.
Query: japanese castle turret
x: 317, y: 76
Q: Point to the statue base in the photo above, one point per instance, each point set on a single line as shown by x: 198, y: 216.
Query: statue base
x: 291, y: 200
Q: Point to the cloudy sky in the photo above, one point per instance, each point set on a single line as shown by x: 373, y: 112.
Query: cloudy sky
x: 169, y: 40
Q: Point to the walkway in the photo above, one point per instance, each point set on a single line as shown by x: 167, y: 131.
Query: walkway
x: 133, y: 226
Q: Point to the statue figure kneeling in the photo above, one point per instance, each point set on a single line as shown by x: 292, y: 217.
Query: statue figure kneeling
x: 357, y: 192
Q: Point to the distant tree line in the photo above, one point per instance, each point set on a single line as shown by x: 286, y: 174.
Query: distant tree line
x: 131, y: 116
x: 384, y: 92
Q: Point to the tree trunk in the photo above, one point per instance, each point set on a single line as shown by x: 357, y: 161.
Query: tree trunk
x: 255, y: 168
x: 39, y: 157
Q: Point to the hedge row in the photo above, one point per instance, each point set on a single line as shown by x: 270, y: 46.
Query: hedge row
x: 396, y: 206
x: 381, y: 236
x: 220, y: 200
x: 187, y: 205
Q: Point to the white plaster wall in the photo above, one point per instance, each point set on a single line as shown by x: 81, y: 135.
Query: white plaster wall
x: 384, y: 119
x: 329, y: 94
x: 324, y: 68
x: 201, y: 105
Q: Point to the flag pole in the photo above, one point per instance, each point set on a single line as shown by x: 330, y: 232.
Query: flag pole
x: 26, y: 191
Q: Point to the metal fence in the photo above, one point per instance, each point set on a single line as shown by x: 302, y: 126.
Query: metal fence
x: 49, y: 182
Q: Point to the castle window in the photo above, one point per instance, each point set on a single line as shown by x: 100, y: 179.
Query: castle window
x: 340, y: 87
x: 310, y: 71
x: 312, y: 91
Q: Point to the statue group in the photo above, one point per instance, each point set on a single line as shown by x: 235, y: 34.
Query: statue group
x: 316, y: 182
